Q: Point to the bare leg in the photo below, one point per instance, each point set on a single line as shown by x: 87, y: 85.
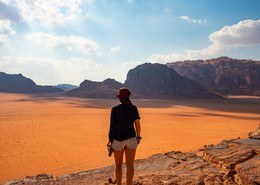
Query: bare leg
x: 119, y: 161
x: 130, y: 157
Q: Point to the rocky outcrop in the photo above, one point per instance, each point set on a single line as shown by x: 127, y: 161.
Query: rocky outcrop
x: 239, y: 158
x: 255, y: 134
x: 161, y: 82
x: 223, y: 75
x: 17, y: 83
x: 90, y: 89
x: 231, y: 162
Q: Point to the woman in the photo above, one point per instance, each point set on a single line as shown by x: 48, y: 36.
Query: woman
x: 124, y: 134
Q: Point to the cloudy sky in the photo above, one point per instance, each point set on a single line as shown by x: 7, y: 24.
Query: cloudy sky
x: 68, y: 41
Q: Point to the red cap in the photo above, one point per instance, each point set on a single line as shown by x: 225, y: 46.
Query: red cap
x: 123, y: 93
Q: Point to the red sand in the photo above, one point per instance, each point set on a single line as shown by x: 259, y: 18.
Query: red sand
x: 58, y: 135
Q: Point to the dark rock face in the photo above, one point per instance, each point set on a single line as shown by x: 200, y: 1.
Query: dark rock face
x: 90, y: 89
x: 161, y: 82
x: 223, y: 75
x: 17, y: 83
x: 233, y: 162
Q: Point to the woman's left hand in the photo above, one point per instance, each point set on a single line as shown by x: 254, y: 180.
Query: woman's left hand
x: 138, y: 138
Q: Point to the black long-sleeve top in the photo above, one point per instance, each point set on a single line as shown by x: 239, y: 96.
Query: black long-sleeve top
x: 122, y: 122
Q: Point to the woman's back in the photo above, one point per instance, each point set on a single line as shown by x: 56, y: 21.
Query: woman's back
x: 123, y: 117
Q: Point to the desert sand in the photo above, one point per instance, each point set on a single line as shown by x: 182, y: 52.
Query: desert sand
x: 58, y: 135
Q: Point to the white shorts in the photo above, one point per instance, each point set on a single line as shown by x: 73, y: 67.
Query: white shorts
x: 130, y: 143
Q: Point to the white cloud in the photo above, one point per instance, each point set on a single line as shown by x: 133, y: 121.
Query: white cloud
x: 186, y: 18
x: 5, y: 1
x: 115, y: 49
x: 72, y: 70
x: 5, y: 27
x: 50, y: 12
x: 3, y: 40
x: 195, y: 21
x: 245, y: 33
x: 70, y: 43
x: 5, y: 32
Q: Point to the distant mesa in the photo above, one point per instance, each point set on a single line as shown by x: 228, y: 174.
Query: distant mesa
x: 161, y: 82
x: 88, y: 89
x: 17, y: 83
x: 222, y: 75
x: 146, y: 81
x: 203, y: 79
x: 66, y: 87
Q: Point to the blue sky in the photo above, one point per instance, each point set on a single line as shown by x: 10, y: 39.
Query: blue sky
x: 69, y: 41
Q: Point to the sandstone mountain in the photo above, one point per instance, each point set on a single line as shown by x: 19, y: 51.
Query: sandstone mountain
x: 17, y: 83
x: 161, y: 82
x: 188, y: 79
x: 90, y: 89
x: 223, y: 75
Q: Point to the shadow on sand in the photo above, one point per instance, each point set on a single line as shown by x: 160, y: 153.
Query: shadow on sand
x: 235, y: 105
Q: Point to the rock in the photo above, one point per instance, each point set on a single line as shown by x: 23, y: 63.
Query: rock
x: 249, y: 171
x: 17, y: 83
x: 161, y: 82
x: 90, y: 89
x: 255, y: 134
x: 251, y: 143
x: 146, y: 81
x: 222, y: 75
x: 240, y: 156
x: 39, y: 179
x: 44, y: 176
x: 176, y: 168
x: 227, y: 155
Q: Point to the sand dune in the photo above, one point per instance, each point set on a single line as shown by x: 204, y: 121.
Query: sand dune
x: 58, y: 135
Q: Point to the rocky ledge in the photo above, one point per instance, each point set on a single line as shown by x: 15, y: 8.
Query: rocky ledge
x: 230, y: 162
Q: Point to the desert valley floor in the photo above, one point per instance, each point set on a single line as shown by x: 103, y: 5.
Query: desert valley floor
x: 57, y: 134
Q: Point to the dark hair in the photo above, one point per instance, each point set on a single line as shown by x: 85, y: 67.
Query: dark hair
x: 125, y: 101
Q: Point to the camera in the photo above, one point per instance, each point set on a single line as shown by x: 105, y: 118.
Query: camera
x: 109, y: 149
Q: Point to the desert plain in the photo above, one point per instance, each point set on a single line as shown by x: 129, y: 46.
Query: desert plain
x: 57, y: 134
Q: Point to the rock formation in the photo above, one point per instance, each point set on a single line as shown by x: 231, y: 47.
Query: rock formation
x: 161, y: 82
x: 146, y: 81
x: 255, y: 134
x: 17, y: 83
x: 186, y: 79
x: 223, y: 75
x: 90, y: 89
x: 231, y: 162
